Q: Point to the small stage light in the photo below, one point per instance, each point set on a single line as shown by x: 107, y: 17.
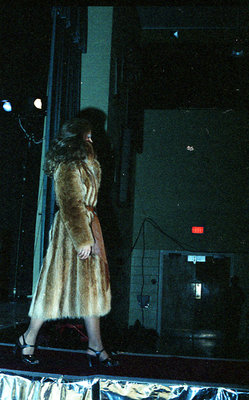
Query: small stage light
x: 38, y: 103
x: 7, y: 105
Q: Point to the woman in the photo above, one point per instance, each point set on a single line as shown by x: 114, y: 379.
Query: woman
x: 74, y: 280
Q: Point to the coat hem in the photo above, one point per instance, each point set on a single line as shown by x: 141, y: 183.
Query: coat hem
x: 67, y: 316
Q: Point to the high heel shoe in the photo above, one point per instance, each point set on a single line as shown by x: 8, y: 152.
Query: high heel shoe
x: 95, y: 361
x: 29, y: 359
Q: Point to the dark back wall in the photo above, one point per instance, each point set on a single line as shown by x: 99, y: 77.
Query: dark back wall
x: 194, y: 171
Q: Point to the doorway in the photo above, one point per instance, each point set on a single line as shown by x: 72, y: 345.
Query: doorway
x: 192, y: 292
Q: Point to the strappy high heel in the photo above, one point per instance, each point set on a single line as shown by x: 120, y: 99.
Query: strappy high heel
x: 95, y: 361
x: 29, y: 359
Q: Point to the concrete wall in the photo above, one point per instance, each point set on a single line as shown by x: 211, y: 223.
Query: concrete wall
x: 95, y: 79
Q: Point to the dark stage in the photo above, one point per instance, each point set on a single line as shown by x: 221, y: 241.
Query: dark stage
x: 176, y: 107
x: 65, y: 374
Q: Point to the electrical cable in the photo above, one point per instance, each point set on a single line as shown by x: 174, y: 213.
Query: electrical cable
x: 29, y: 137
x: 184, y: 246
x: 142, y: 231
x: 180, y: 244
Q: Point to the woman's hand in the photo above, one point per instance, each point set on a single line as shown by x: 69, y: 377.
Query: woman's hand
x: 85, y: 252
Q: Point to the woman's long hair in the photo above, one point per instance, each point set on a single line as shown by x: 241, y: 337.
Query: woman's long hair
x: 69, y: 146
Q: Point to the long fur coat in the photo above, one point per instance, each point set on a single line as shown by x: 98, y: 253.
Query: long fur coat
x: 69, y: 287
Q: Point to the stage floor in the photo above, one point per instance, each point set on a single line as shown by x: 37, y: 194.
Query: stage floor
x: 195, y: 344
x: 188, y: 368
x: 72, y: 364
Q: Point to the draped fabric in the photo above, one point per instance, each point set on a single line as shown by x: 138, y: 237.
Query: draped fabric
x: 24, y: 388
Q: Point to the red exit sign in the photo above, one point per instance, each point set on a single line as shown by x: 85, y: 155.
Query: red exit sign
x: 198, y: 229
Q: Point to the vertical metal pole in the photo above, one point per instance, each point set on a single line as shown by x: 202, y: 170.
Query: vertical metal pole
x: 56, y: 110
x: 41, y: 207
x: 57, y: 101
x: 48, y: 126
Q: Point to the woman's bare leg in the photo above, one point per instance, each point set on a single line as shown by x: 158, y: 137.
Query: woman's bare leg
x: 31, y: 334
x: 94, y: 336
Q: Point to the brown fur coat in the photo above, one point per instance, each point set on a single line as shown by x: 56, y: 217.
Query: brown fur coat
x: 69, y: 287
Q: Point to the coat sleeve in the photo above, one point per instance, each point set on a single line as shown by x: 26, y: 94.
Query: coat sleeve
x: 70, y: 194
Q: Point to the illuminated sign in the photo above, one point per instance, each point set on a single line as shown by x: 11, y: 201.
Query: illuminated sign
x: 198, y: 229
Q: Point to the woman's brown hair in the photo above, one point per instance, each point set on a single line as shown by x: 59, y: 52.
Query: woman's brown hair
x: 69, y: 146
